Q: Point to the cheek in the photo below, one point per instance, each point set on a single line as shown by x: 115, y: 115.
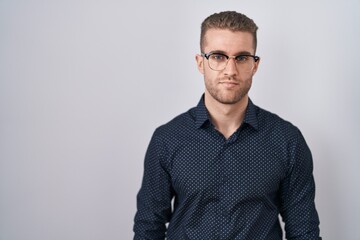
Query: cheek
x: 210, y: 76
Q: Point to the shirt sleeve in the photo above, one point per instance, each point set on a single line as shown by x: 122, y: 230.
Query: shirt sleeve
x: 298, y: 193
x: 155, y: 195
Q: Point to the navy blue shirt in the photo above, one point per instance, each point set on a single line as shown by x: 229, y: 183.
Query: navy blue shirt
x: 209, y: 187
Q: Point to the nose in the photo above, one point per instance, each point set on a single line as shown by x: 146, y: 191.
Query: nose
x: 231, y: 67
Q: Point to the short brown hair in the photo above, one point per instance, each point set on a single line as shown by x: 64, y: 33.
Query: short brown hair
x: 230, y: 20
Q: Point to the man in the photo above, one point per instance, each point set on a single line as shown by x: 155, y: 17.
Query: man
x: 230, y: 166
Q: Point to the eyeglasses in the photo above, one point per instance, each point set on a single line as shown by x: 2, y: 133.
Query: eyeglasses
x: 219, y: 61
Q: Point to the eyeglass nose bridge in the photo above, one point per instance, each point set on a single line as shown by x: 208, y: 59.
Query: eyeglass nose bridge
x: 236, y: 64
x: 228, y: 60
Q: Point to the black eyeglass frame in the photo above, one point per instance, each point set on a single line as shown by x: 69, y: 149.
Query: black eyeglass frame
x: 207, y: 55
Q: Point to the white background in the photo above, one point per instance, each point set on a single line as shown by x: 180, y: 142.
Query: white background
x: 83, y: 85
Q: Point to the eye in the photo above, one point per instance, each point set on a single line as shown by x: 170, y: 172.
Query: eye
x: 218, y: 57
x: 242, y: 58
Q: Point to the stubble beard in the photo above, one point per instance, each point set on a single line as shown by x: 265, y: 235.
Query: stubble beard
x: 228, y: 96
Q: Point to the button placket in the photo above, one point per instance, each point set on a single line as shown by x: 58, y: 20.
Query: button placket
x: 224, y: 189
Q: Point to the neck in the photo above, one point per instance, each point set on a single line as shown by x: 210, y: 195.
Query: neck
x: 226, y: 118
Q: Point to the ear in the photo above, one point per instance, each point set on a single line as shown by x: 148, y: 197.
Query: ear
x: 256, y: 66
x: 200, y: 63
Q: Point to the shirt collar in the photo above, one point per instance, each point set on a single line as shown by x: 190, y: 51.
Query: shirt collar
x: 250, y: 115
x: 202, y: 115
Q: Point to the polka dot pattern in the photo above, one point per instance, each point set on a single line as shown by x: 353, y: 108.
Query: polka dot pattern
x: 209, y: 187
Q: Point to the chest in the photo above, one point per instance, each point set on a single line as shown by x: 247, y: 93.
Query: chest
x: 246, y: 168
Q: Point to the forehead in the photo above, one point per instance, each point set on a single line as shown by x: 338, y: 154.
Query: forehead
x: 228, y: 41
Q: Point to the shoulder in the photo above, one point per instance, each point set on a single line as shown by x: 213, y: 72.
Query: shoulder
x: 285, y: 138
x: 179, y: 125
x: 276, y: 126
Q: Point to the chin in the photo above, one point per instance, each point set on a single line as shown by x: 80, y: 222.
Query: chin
x: 227, y: 100
x: 230, y: 102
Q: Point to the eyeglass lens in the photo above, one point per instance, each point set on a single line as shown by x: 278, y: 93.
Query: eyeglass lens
x: 219, y: 62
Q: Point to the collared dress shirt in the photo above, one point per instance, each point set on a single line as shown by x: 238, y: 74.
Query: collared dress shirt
x: 208, y: 187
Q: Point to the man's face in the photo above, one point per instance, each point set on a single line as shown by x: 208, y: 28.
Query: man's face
x: 230, y: 85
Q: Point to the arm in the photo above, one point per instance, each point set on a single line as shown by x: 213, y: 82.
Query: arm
x: 154, y: 197
x: 298, y: 193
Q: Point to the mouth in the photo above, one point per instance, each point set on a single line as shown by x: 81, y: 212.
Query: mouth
x: 229, y: 84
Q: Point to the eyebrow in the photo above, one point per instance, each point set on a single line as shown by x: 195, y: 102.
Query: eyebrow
x: 237, y: 54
